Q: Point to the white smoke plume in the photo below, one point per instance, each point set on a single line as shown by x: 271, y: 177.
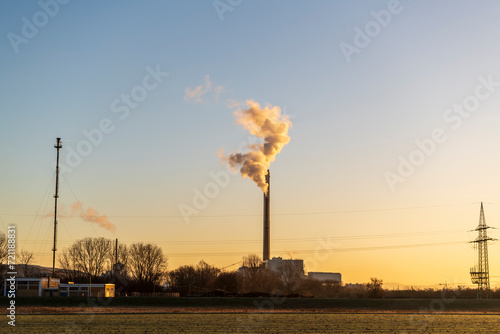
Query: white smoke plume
x: 92, y: 216
x: 198, y: 92
x: 271, y: 126
x: 89, y: 215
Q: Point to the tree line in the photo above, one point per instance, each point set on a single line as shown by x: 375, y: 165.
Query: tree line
x: 142, y: 267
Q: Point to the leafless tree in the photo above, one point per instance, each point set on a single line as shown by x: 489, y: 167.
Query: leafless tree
x: 69, y: 267
x: 147, y: 264
x: 227, y: 281
x: 255, y: 277
x: 252, y: 261
x: 312, y: 288
x: 4, y: 251
x: 25, y: 259
x: 374, y: 288
x: 292, y: 275
x: 3, y: 248
x: 123, y: 255
x: 89, y: 256
x: 183, y: 279
x: 249, y: 276
x: 206, y: 275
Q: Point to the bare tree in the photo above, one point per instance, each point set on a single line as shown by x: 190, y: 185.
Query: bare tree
x: 252, y: 261
x: 147, y: 264
x: 206, y: 275
x: 292, y: 275
x: 249, y: 276
x: 123, y: 255
x: 374, y: 288
x: 312, y: 288
x: 255, y: 277
x: 227, y: 281
x: 183, y: 279
x: 25, y: 259
x: 89, y: 256
x: 4, y: 251
x: 70, y: 268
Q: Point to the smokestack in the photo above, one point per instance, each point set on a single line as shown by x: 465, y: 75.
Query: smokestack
x: 267, y: 218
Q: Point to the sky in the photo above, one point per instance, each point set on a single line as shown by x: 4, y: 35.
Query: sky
x: 394, y: 112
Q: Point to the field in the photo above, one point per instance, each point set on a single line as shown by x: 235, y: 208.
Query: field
x: 269, y: 304
x: 252, y: 315
x: 257, y: 323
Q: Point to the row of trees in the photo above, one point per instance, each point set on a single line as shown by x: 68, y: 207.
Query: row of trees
x: 252, y: 279
x: 23, y: 258
x: 141, y: 265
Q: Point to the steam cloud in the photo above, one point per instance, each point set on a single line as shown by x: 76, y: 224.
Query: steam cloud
x: 268, y: 124
x: 90, y: 215
x: 198, y: 92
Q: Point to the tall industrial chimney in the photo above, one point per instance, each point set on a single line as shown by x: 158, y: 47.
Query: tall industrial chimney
x: 267, y: 218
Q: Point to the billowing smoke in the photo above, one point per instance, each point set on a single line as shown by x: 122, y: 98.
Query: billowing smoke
x: 89, y: 215
x: 92, y: 216
x: 267, y: 124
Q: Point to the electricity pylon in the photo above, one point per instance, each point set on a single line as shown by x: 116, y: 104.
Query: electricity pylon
x: 480, y: 274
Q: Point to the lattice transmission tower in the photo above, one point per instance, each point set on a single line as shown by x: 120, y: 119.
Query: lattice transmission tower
x: 480, y: 273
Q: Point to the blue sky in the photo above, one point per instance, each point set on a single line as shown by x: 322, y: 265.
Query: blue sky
x: 351, y: 122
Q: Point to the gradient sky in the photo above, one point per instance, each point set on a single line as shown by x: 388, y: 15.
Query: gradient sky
x: 352, y: 121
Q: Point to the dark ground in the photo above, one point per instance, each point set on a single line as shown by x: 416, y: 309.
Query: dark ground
x: 228, y: 304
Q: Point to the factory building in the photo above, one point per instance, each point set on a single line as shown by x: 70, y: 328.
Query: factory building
x: 82, y: 290
x: 325, y: 276
x: 276, y: 263
x: 31, y: 287
x: 45, y: 287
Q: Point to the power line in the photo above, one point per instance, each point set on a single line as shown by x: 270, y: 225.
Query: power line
x: 259, y: 215
x: 288, y: 240
x: 339, y: 250
x: 41, y: 203
x: 81, y: 208
x: 309, y: 251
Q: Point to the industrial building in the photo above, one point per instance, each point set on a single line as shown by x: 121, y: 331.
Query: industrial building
x: 325, y: 276
x: 31, y: 287
x: 276, y: 263
x: 45, y: 287
x: 82, y: 290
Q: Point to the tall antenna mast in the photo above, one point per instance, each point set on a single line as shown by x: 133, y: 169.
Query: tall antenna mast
x: 480, y: 274
x: 56, y: 196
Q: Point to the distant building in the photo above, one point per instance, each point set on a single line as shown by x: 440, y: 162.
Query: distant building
x: 117, y: 271
x: 242, y: 270
x: 355, y: 286
x: 82, y: 290
x: 42, y: 287
x: 325, y: 276
x: 32, y: 287
x: 276, y: 264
